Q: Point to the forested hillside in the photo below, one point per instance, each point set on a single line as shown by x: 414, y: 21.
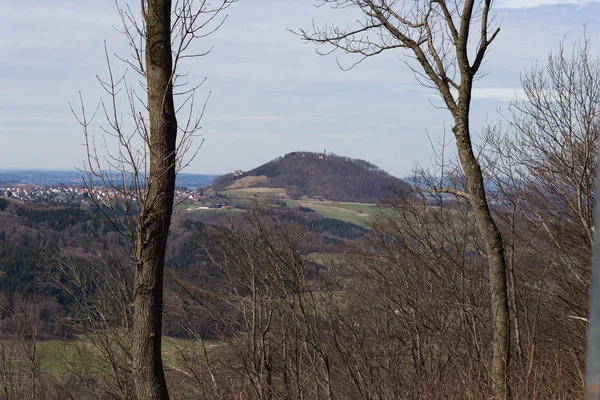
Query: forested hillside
x: 327, y: 176
x: 31, y: 235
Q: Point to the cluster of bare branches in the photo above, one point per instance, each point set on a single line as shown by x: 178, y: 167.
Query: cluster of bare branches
x: 262, y: 301
x: 141, y: 151
x: 100, y: 290
x: 446, y: 43
x: 118, y: 157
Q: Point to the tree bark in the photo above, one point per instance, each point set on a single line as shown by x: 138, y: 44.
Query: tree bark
x: 155, y: 215
x: 438, y: 35
x: 494, y: 248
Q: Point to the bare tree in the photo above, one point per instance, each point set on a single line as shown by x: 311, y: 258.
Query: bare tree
x: 268, y: 304
x: 138, y: 178
x: 544, y: 166
x: 424, y: 326
x: 556, y: 130
x: 100, y: 290
x: 438, y: 35
x: 20, y: 361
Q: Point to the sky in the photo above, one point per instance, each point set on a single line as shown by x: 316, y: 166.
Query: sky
x: 270, y: 93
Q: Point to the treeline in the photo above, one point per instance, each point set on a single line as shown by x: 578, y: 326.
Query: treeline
x: 32, y: 235
x: 55, y: 218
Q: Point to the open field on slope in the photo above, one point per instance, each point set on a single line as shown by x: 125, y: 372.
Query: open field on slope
x: 247, y: 181
x: 255, y: 192
x: 78, y: 355
x: 198, y: 207
x: 356, y: 213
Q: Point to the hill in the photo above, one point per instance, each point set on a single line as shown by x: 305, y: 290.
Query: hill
x: 327, y: 176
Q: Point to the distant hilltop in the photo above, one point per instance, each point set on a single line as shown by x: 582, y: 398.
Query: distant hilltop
x: 316, y: 175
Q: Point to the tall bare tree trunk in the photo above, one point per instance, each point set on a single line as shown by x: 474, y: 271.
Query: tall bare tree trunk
x: 143, y: 203
x: 155, y: 215
x: 438, y: 34
x: 494, y: 248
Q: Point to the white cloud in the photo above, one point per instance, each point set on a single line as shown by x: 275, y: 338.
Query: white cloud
x: 498, y: 93
x: 538, y: 3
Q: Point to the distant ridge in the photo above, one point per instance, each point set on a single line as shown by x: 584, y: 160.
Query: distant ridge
x: 37, y: 177
x: 327, y: 176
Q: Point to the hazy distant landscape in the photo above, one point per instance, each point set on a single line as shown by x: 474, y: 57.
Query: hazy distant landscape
x: 325, y: 184
x: 44, y: 177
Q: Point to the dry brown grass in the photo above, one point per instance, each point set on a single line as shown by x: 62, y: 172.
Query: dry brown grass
x: 248, y: 181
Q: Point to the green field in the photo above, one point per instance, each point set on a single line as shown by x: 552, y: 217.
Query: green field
x: 355, y: 213
x: 255, y: 192
x: 326, y: 258
x: 194, y: 207
x: 358, y: 207
x: 62, y: 356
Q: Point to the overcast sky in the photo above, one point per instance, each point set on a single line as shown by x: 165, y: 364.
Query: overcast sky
x: 271, y: 93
